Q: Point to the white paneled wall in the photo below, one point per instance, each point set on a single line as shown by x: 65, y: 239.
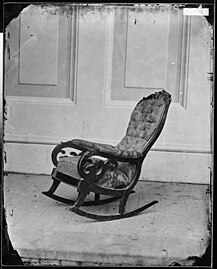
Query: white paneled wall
x: 81, y: 75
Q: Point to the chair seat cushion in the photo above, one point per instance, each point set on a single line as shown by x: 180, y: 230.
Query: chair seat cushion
x: 68, y: 166
x: 113, y: 178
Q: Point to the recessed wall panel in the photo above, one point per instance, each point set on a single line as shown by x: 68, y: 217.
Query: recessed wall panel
x: 42, y: 53
x: 38, y: 48
x: 150, y: 48
x: 146, y: 53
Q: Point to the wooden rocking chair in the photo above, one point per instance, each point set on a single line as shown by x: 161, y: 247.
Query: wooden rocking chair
x: 110, y: 170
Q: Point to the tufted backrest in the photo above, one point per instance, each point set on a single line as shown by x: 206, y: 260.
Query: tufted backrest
x: 146, y: 122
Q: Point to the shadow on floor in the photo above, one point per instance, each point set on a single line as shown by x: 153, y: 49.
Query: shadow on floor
x: 9, y: 255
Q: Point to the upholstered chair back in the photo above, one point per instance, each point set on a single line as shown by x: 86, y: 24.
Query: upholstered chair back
x: 146, y: 122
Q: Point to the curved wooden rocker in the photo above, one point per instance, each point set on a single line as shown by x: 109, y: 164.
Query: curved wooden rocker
x: 110, y: 170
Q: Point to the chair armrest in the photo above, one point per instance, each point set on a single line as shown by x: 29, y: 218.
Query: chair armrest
x: 83, y: 145
x: 105, y: 150
x: 86, y: 162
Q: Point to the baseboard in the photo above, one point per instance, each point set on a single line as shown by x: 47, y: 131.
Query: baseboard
x: 168, y: 166
x: 177, y: 167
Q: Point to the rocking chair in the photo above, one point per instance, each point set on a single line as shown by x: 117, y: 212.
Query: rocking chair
x: 110, y: 170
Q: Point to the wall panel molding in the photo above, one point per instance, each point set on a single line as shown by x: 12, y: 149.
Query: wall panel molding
x: 184, y: 64
x: 73, y: 68
x: 38, y: 100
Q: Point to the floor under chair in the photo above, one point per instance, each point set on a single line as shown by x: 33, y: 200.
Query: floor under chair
x: 45, y: 232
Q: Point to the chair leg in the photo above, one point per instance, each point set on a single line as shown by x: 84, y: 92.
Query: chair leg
x: 53, y: 187
x: 79, y: 201
x: 97, y: 197
x: 123, y: 202
x: 112, y: 217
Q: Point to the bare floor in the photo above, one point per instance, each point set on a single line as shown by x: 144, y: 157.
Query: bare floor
x: 46, y: 232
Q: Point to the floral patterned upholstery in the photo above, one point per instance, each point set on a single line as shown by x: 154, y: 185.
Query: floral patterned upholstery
x: 144, y: 122
x: 118, y: 178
